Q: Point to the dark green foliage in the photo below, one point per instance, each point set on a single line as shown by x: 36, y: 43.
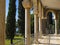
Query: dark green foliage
x: 21, y: 18
x: 10, y: 26
x: 32, y: 23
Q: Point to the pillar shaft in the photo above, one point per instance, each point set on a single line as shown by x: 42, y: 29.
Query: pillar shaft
x: 27, y: 5
x: 55, y: 26
x: 40, y: 20
x: 2, y: 22
x: 40, y: 27
x: 35, y: 28
x: 27, y: 27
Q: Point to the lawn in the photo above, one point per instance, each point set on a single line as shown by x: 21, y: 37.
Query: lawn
x: 16, y: 38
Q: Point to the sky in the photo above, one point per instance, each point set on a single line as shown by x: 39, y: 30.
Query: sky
x: 7, y: 6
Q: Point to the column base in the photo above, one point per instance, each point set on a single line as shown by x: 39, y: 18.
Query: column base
x: 40, y: 37
x: 55, y: 34
x: 36, y: 42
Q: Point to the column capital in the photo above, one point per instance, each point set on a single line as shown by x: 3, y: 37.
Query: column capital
x: 26, y: 4
x: 36, y: 11
x: 36, y: 5
x: 44, y: 18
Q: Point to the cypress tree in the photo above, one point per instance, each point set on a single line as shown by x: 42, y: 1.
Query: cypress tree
x: 10, y: 27
x: 21, y: 18
x: 32, y: 23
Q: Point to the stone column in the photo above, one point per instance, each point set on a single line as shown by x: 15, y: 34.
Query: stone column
x: 27, y: 27
x: 40, y: 27
x: 55, y: 27
x: 40, y: 20
x: 2, y: 22
x: 36, y: 29
x: 35, y: 4
x: 27, y: 6
x: 56, y: 22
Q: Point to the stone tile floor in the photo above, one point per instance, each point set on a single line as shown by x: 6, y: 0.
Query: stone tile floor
x: 49, y: 40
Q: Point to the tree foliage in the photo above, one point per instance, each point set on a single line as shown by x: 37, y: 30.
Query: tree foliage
x: 21, y: 18
x: 32, y: 23
x: 10, y: 26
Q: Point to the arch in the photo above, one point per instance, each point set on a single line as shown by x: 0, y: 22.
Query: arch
x: 50, y: 11
x: 51, y: 22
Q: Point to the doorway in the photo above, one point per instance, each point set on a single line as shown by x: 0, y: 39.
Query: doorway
x: 50, y: 23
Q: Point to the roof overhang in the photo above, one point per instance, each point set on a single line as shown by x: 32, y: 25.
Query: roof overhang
x: 53, y: 4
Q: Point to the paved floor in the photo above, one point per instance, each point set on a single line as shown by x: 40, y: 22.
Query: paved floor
x: 49, y: 40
